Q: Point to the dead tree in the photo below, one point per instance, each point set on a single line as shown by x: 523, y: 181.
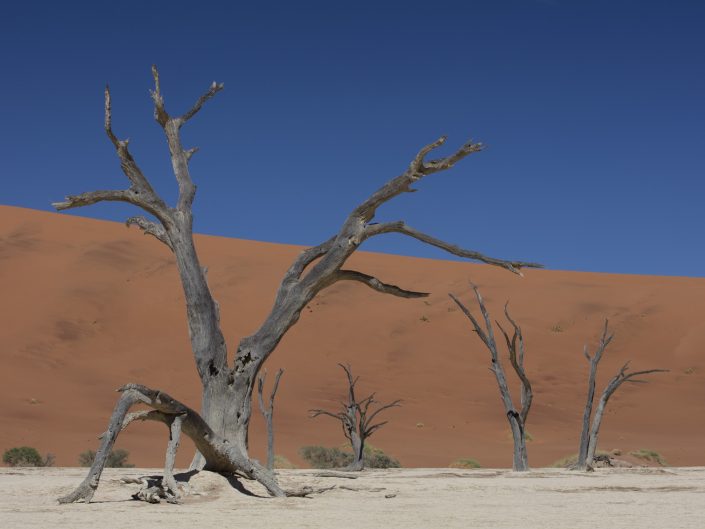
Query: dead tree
x: 589, y: 433
x: 356, y: 419
x: 268, y: 412
x: 517, y: 419
x: 227, y: 389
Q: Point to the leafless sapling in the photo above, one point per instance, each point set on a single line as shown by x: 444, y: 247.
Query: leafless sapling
x: 226, y: 405
x: 589, y: 433
x: 357, y: 418
x: 268, y: 412
x: 517, y: 419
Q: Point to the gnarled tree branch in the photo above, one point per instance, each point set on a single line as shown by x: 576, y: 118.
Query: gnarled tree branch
x: 151, y: 228
x: 590, y: 432
x: 376, y: 284
x: 517, y: 419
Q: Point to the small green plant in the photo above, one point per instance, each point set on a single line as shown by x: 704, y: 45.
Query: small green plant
x: 324, y: 457
x: 26, y: 456
x: 116, y: 459
x: 424, y: 318
x: 465, y: 462
x: 282, y: 462
x: 557, y: 328
x: 569, y: 461
x: 334, y: 457
x: 649, y: 455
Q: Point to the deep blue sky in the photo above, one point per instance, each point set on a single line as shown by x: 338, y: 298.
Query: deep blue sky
x: 593, y: 113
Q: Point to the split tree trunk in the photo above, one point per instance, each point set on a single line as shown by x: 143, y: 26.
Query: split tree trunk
x: 590, y: 432
x: 227, y: 390
x: 517, y: 419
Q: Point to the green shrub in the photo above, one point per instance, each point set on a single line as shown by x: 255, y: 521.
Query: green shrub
x: 569, y: 461
x: 376, y: 458
x: 325, y: 457
x: 116, y: 459
x: 465, y: 462
x: 649, y: 455
x: 26, y: 456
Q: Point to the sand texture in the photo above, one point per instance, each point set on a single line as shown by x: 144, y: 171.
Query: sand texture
x: 89, y: 305
x: 422, y: 498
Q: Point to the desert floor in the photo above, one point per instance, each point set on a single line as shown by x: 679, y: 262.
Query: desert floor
x: 672, y: 498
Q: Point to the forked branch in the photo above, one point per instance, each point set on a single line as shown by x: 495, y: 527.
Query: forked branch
x: 590, y: 432
x: 356, y: 418
x: 516, y: 349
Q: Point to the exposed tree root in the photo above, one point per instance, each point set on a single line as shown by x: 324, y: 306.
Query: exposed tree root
x: 219, y: 454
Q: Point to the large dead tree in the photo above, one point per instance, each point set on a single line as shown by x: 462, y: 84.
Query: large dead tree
x: 517, y: 419
x: 357, y: 419
x: 268, y: 412
x: 589, y: 433
x: 227, y: 389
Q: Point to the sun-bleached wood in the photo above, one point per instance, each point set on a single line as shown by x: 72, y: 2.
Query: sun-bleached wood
x: 356, y: 419
x: 228, y: 389
x: 590, y: 431
x: 517, y: 419
x: 268, y: 412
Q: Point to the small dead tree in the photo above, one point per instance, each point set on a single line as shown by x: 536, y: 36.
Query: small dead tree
x: 589, y: 433
x: 356, y: 418
x: 268, y: 413
x: 517, y: 419
x: 226, y: 406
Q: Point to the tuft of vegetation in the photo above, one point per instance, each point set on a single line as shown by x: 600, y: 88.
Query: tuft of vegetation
x: 569, y: 461
x: 116, y: 459
x: 282, y: 462
x: 649, y: 455
x: 424, y: 318
x: 557, y: 328
x: 26, y: 456
x: 334, y: 457
x: 689, y: 370
x: 465, y: 462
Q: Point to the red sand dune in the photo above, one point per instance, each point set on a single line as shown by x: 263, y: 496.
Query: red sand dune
x: 88, y: 305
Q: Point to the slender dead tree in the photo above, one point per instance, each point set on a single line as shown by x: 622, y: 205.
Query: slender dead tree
x: 356, y: 418
x: 227, y: 389
x: 517, y: 419
x: 589, y: 433
x: 268, y: 412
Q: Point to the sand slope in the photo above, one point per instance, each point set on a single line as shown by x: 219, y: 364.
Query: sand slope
x: 88, y: 305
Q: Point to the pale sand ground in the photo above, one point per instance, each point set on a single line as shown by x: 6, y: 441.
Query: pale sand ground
x: 671, y: 498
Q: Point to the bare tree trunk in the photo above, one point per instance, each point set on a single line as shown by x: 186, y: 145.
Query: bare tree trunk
x: 227, y: 391
x: 356, y: 418
x: 517, y: 419
x: 622, y: 376
x: 590, y: 432
x: 594, y: 360
x: 219, y: 454
x: 268, y: 413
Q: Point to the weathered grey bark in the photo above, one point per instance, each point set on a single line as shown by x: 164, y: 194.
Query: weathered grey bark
x: 590, y: 432
x: 517, y: 419
x: 356, y: 419
x: 220, y: 455
x: 227, y: 390
x: 594, y: 360
x: 268, y: 413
